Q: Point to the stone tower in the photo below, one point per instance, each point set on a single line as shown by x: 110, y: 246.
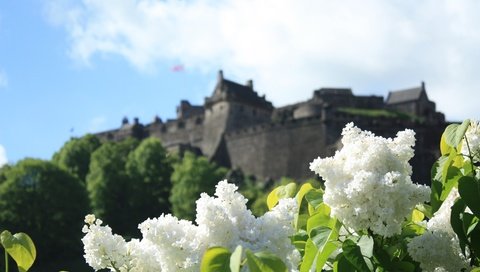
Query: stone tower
x: 232, y: 106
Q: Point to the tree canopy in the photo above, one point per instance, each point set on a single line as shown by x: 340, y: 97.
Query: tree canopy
x: 109, y: 187
x: 192, y: 176
x: 48, y: 203
x: 149, y: 169
x: 75, y: 155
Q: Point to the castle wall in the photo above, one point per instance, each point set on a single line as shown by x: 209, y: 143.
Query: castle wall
x: 223, y: 117
x: 278, y: 150
x: 214, y: 126
x: 236, y: 128
x: 408, y: 107
x: 180, y: 131
x: 286, y: 149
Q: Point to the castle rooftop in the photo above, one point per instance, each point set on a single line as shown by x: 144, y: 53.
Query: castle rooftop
x: 406, y: 95
x: 232, y: 91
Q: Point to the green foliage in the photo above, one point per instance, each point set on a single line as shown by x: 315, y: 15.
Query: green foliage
x: 110, y: 188
x: 129, y: 181
x: 354, y: 255
x: 192, y: 176
x: 20, y: 247
x: 216, y: 259
x: 75, y: 155
x: 39, y: 198
x: 149, y: 169
x: 455, y: 169
x: 379, y: 113
x: 219, y: 259
x: 264, y: 262
x: 282, y: 191
x: 3, y: 171
x: 326, y: 245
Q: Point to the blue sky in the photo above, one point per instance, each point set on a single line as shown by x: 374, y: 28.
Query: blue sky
x: 70, y: 67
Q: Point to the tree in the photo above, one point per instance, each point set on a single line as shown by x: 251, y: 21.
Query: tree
x: 149, y: 169
x: 109, y: 186
x: 75, y: 155
x: 192, y: 176
x: 45, y: 201
x: 3, y: 170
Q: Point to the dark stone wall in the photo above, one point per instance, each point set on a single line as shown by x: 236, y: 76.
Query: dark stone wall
x: 286, y: 149
x: 216, y: 117
x: 236, y: 128
x: 180, y: 131
x: 278, y: 150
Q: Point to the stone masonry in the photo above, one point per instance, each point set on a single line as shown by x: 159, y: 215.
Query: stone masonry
x: 239, y: 129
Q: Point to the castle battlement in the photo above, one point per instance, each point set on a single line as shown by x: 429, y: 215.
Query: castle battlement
x: 238, y: 128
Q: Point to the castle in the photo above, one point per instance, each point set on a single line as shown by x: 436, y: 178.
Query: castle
x: 239, y: 129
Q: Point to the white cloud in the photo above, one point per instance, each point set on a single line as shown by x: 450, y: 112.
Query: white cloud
x: 3, y: 156
x: 292, y: 47
x: 3, y: 79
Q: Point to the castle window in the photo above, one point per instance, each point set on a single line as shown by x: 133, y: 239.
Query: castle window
x: 181, y: 125
x: 198, y: 121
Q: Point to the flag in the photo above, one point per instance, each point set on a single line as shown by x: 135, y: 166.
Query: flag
x: 178, y: 68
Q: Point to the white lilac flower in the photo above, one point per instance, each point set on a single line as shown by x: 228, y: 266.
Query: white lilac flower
x: 438, y: 248
x: 102, y: 248
x: 367, y: 182
x: 170, y: 244
x: 177, y: 242
x: 473, y: 137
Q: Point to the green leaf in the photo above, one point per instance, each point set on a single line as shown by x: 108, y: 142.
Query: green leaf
x: 435, y: 201
x: 353, y: 254
x: 283, y: 191
x: 320, y: 246
x: 299, y: 240
x: 331, y: 245
x: 450, y: 134
x: 320, y: 218
x: 469, y: 190
x: 216, y: 259
x: 456, y: 220
x: 366, y: 246
x: 444, y: 147
x: 470, y: 222
x: 307, y: 187
x: 475, y: 239
x: 412, y: 229
x: 454, y: 133
x: 425, y: 209
x: 383, y: 257
x: 20, y: 247
x: 314, y: 199
x: 264, y: 262
x: 343, y: 265
x: 450, y: 180
x: 272, y: 198
x: 236, y: 259
x: 320, y: 236
x: 417, y: 216
x: 325, y: 253
x: 309, y: 256
x: 436, y: 170
x: 404, y: 266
